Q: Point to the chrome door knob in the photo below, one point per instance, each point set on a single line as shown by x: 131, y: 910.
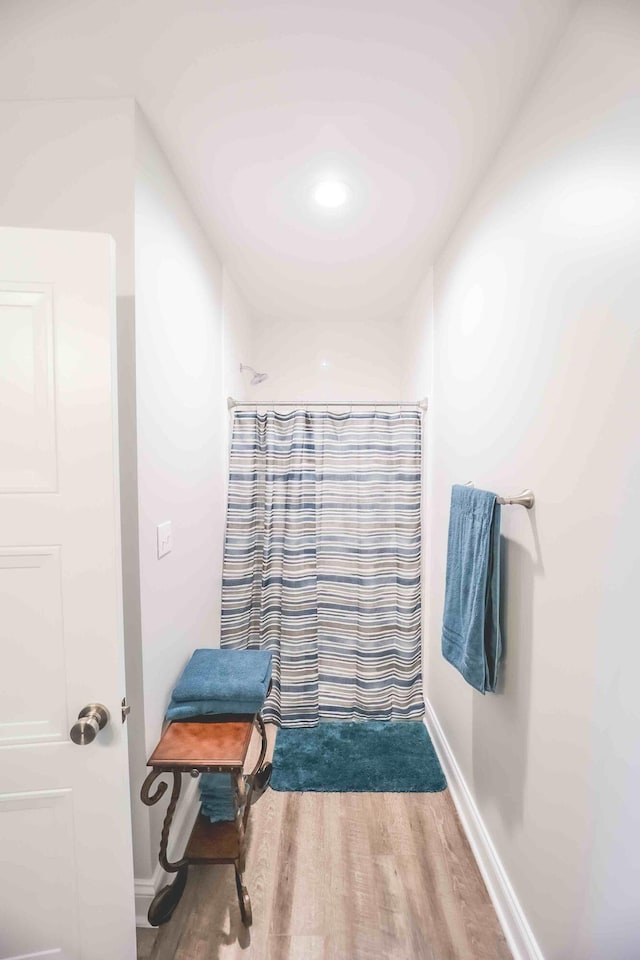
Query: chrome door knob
x: 91, y: 720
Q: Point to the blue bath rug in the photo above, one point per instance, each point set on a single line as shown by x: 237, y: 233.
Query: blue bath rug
x: 376, y: 756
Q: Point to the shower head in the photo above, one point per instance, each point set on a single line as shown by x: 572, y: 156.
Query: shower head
x: 257, y: 377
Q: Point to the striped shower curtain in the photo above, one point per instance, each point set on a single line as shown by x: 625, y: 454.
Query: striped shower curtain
x: 322, y: 561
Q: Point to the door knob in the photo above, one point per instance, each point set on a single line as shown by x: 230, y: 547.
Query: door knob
x: 91, y: 720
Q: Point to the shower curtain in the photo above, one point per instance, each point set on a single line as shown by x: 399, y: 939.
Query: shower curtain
x: 322, y: 561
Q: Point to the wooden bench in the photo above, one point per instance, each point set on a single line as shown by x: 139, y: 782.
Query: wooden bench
x: 211, y: 744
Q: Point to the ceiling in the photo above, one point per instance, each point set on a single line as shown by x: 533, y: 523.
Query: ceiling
x: 254, y: 101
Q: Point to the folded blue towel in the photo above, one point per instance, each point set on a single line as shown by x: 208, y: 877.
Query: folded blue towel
x: 224, y: 675
x: 471, y: 629
x: 218, y: 814
x: 199, y: 708
x: 216, y: 785
x: 221, y: 681
x: 218, y: 803
x: 217, y: 796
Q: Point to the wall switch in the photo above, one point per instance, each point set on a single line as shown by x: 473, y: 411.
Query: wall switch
x: 165, y: 539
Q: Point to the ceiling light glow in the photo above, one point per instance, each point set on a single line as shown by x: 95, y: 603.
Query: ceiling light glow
x: 331, y: 193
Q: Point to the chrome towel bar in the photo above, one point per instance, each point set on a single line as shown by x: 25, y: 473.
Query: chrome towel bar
x: 524, y: 499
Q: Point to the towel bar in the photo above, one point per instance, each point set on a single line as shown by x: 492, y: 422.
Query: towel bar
x: 524, y: 499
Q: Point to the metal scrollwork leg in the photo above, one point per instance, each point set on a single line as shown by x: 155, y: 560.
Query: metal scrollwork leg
x: 244, y: 900
x: 167, y: 899
x: 261, y: 774
x: 241, y: 789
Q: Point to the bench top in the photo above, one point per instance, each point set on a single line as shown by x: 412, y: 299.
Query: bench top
x: 208, y: 746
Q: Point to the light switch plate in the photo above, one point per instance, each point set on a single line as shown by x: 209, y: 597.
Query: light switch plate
x: 165, y: 538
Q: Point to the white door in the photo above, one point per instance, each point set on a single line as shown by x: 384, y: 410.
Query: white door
x: 66, y: 877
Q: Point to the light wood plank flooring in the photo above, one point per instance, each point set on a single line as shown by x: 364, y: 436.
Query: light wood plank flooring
x: 341, y: 877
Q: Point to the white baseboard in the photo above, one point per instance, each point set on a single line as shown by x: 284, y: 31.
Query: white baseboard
x: 146, y: 888
x: 517, y: 931
x: 145, y: 891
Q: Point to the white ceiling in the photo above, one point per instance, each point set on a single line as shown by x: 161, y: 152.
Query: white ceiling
x: 254, y: 101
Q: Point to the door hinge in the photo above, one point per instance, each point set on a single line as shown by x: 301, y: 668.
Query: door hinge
x: 126, y: 709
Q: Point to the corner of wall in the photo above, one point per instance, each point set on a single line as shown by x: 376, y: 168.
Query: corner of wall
x: 238, y: 333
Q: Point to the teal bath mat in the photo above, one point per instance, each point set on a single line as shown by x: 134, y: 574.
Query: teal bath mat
x: 377, y: 756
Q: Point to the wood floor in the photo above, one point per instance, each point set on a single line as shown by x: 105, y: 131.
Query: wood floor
x: 341, y: 877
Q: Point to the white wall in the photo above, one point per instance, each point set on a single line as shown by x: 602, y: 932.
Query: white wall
x: 537, y: 383
x: 68, y: 164
x: 181, y: 425
x: 332, y: 360
x: 416, y: 333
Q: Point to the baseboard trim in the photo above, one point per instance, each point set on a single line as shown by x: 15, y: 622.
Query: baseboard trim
x: 517, y: 931
x: 146, y: 888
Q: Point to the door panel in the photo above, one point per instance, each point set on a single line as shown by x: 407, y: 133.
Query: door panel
x: 27, y: 437
x: 33, y: 824
x: 66, y: 883
x: 34, y: 702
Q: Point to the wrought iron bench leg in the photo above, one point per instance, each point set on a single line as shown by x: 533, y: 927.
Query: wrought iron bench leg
x: 261, y: 774
x: 243, y: 898
x: 167, y: 899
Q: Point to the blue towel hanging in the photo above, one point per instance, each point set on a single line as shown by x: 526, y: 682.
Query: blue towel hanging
x: 471, y: 638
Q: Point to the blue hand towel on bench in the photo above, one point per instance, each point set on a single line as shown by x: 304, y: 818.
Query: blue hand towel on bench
x: 471, y: 629
x: 221, y: 681
x: 215, y: 785
x: 216, y: 794
x: 216, y: 816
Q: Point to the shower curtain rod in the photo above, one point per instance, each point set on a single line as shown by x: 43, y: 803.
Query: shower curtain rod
x: 421, y: 404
